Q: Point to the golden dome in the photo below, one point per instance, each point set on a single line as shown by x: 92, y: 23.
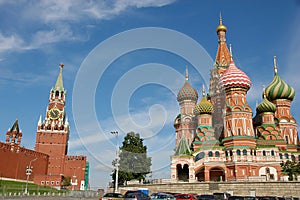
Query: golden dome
x: 221, y: 27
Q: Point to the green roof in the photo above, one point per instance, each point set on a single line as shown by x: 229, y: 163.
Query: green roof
x: 183, y: 148
x: 59, y: 82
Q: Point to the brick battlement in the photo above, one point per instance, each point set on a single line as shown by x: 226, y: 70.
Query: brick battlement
x: 75, y: 158
x: 17, y: 159
x: 27, y: 152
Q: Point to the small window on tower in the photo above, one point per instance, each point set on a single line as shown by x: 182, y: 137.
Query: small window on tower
x: 272, y: 153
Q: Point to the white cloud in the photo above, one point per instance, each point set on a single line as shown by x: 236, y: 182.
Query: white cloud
x: 55, y: 18
x: 10, y: 43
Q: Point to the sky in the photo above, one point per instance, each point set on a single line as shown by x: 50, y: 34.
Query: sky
x: 124, y: 63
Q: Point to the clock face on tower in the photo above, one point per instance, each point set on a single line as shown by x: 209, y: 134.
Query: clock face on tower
x: 54, y: 113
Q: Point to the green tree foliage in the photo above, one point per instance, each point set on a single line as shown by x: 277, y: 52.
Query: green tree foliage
x: 292, y: 168
x: 134, y: 163
x: 66, y: 181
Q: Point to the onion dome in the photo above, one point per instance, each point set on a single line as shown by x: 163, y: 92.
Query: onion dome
x: 221, y: 27
x: 187, y: 92
x: 204, y: 106
x: 234, y: 78
x: 265, y: 106
x: 278, y: 89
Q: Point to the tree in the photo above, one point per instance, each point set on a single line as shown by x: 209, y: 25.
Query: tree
x: 292, y: 168
x: 66, y: 181
x: 134, y: 163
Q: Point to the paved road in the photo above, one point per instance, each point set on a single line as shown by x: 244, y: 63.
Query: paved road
x: 48, y: 198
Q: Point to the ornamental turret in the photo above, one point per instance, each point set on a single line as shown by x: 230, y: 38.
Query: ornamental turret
x: 278, y: 89
x: 281, y: 94
x: 187, y: 98
x: 238, y: 127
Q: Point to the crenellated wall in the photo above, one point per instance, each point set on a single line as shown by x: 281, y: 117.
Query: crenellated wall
x: 15, y: 160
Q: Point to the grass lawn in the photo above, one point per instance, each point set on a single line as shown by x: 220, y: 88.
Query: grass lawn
x: 7, y: 187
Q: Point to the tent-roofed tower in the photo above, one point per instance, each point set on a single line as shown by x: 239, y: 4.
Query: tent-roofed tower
x: 14, y: 136
x: 217, y: 95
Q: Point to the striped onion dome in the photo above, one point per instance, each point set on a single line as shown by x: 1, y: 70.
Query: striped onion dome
x: 278, y: 89
x: 265, y: 106
x: 203, y: 107
x: 234, y: 78
x: 187, y: 92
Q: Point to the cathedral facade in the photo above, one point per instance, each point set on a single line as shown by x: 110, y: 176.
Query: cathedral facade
x: 218, y: 139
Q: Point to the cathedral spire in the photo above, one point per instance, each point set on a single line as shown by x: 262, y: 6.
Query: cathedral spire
x: 221, y: 27
x: 186, y: 74
x: 223, y: 55
x: 59, y: 82
x: 230, y: 51
x: 203, y: 90
x: 275, y: 65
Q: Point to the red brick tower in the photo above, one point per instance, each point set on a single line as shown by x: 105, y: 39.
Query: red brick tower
x: 52, y: 138
x: 282, y: 95
x: 238, y: 129
x: 217, y: 94
x: 14, y: 136
x: 53, y: 133
x: 187, y: 98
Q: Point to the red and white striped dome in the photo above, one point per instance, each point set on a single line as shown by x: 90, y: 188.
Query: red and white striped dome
x: 234, y: 78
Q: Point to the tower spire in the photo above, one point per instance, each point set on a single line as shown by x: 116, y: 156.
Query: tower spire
x: 59, y: 82
x: 230, y: 50
x: 275, y: 65
x: 221, y: 27
x: 203, y: 90
x: 186, y: 73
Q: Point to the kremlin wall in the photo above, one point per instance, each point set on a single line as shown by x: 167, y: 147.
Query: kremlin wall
x: 49, y: 161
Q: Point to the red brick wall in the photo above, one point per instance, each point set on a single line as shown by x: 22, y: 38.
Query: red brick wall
x: 14, y: 162
x: 75, y: 166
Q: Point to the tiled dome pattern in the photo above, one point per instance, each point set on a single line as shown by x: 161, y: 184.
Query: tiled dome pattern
x: 235, y: 78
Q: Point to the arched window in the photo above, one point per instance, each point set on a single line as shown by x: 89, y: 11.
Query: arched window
x: 272, y: 153
x: 217, y: 154
x: 255, y: 152
x: 199, y: 156
x: 226, y: 153
x: 238, y: 152
x: 264, y: 153
x: 293, y: 157
x: 231, y: 153
x: 251, y: 152
x: 210, y: 154
x: 286, y: 155
x: 280, y: 155
x: 299, y: 157
x: 244, y: 152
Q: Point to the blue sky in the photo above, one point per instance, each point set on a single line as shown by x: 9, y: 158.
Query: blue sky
x: 136, y: 89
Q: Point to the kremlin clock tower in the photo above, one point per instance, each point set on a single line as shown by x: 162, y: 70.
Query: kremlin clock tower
x: 52, y: 138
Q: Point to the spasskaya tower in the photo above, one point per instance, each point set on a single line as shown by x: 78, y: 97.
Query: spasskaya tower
x: 53, y: 133
x: 52, y: 138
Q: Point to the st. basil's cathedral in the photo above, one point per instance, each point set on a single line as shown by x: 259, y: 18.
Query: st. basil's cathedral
x: 218, y: 139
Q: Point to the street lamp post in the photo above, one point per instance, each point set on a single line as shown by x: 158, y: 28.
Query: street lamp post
x: 28, y: 173
x: 117, y: 161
